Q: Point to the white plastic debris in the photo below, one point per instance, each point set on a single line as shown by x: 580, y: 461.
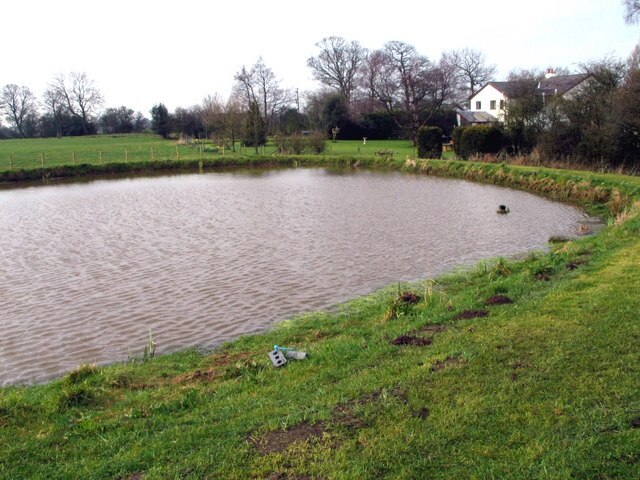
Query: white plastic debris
x: 295, y: 354
x: 279, y: 355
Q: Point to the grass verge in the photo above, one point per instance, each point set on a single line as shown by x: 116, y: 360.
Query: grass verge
x: 514, y: 369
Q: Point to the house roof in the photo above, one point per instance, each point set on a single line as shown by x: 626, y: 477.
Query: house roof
x: 476, y: 117
x: 557, y: 85
x: 515, y: 88
x: 560, y: 84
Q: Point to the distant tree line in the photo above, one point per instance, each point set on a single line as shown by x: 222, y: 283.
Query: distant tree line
x: 70, y: 106
x: 389, y: 93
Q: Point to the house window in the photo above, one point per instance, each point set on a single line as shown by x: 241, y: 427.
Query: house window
x: 478, y: 105
x: 501, y: 104
x: 492, y: 105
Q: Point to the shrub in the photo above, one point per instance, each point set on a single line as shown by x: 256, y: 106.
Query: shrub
x: 80, y: 374
x: 317, y: 142
x: 291, y: 145
x: 75, y: 396
x: 456, y: 136
x: 429, y: 142
x: 480, y: 139
x: 299, y: 145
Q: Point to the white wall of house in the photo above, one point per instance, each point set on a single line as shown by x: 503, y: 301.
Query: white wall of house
x: 490, y: 100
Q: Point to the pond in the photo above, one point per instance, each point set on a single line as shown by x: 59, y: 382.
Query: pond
x: 87, y: 270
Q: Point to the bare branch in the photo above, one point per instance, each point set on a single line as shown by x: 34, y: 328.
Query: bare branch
x: 338, y: 64
x: 632, y: 11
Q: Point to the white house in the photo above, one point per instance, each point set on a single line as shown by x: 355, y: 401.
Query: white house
x: 488, y: 105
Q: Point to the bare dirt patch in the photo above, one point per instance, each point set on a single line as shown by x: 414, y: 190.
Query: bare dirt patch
x: 345, y: 416
x: 432, y: 329
x: 498, y: 300
x: 409, y: 298
x: 225, y: 359
x: 447, y: 362
x: 197, y: 376
x: 422, y: 413
x: 345, y: 413
x: 289, y: 476
x: 412, y: 340
x: 134, y: 476
x: 468, y: 314
x: 635, y: 423
x: 278, y: 441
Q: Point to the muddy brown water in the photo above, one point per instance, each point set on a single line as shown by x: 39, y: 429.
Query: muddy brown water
x: 87, y: 270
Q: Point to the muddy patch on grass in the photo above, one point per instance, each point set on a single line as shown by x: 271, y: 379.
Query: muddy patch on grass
x: 422, y: 414
x: 197, y: 376
x: 345, y: 416
x: 543, y: 277
x: 447, y: 362
x: 469, y: 314
x: 285, y: 476
x: 498, y: 300
x: 422, y: 337
x: 635, y: 423
x: 221, y: 365
x: 225, y: 359
x: 412, y: 340
x: 409, y: 298
x: 278, y: 441
x: 134, y: 476
x: 516, y: 366
x: 431, y: 329
x: 378, y: 395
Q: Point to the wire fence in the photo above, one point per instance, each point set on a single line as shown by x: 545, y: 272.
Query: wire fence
x: 19, y: 160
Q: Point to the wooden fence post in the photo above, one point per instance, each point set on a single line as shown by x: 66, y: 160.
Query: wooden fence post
x: 10, y: 162
x: 126, y: 155
x: 177, y: 152
x: 42, y: 159
x: 100, y: 155
x: 73, y: 157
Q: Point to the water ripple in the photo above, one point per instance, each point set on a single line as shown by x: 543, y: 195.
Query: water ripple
x: 88, y: 270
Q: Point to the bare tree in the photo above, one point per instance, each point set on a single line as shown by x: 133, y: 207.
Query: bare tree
x: 54, y: 103
x: 415, y: 77
x: 446, y: 85
x: 472, y: 69
x: 633, y: 61
x: 17, y: 104
x: 261, y: 86
x: 338, y: 63
x: 378, y: 80
x: 211, y: 114
x: 632, y: 11
x: 81, y: 96
x: 233, y: 119
x: 407, y: 84
x: 243, y: 89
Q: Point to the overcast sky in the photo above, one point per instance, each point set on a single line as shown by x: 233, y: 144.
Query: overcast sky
x: 142, y: 52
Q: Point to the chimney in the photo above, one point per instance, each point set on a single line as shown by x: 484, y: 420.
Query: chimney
x: 550, y: 73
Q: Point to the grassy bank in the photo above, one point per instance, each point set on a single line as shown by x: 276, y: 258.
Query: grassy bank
x: 524, y: 369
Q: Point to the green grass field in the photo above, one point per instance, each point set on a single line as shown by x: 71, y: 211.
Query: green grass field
x: 49, y: 152
x: 512, y: 370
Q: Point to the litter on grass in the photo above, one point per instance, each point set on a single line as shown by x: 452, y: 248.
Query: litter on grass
x: 279, y: 355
